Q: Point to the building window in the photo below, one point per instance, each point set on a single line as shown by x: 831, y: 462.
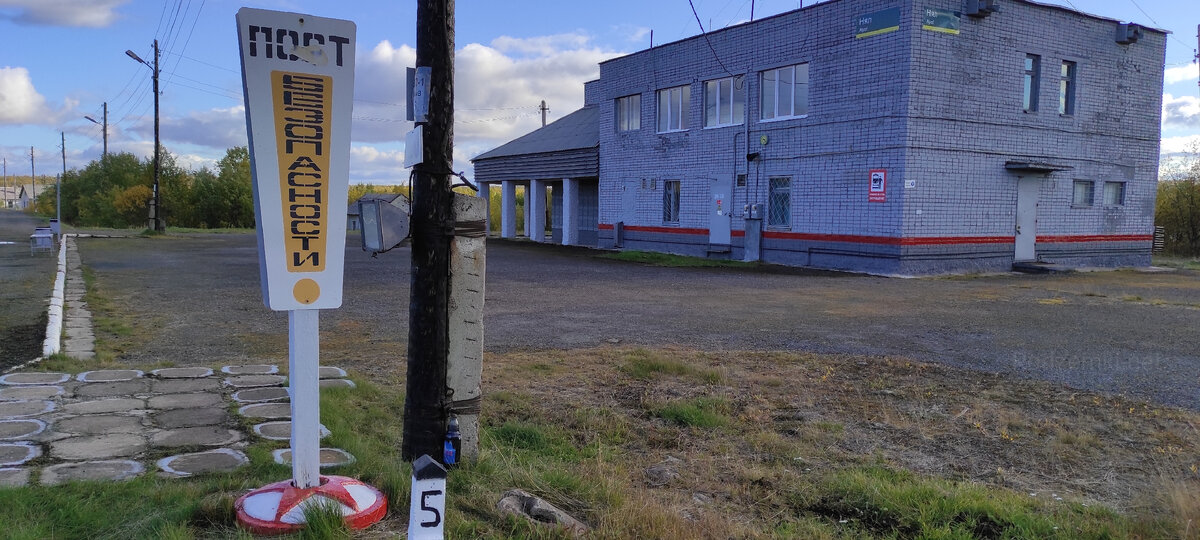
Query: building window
x: 1066, y: 88
x: 671, y: 201
x: 672, y: 108
x: 1084, y: 190
x: 1114, y: 193
x: 725, y: 102
x: 741, y: 180
x: 779, y: 202
x: 629, y: 113
x: 1033, y: 65
x: 785, y: 92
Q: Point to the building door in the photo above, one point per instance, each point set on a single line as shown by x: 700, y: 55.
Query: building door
x: 1028, y: 189
x: 720, y: 221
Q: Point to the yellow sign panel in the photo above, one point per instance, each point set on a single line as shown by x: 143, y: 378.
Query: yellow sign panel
x: 303, y: 104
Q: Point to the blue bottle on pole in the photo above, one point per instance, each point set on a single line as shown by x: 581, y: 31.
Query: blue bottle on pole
x: 453, y: 444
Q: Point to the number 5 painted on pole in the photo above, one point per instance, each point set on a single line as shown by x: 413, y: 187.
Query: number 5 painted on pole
x: 437, y: 516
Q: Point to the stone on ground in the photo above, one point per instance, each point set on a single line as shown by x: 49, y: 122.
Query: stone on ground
x: 20, y: 429
x: 181, y: 418
x: 18, y: 409
x: 17, y: 453
x: 90, y: 470
x: 254, y: 369
x: 99, y: 424
x: 282, y: 431
x: 330, y: 457
x: 266, y: 410
x: 105, y: 406
x: 109, y: 375
x: 266, y: 393
x: 35, y: 378
x: 330, y: 372
x: 251, y: 381
x: 186, y: 401
x: 15, y: 393
x: 98, y: 446
x: 12, y: 477
x: 108, y: 389
x: 337, y: 383
x: 520, y: 503
x: 182, y: 373
x: 195, y: 436
x: 219, y: 460
x: 183, y: 386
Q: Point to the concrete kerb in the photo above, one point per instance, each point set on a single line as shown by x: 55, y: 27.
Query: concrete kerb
x: 52, y: 344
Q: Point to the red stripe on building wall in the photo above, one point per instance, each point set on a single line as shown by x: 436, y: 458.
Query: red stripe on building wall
x: 1098, y: 238
x: 901, y: 241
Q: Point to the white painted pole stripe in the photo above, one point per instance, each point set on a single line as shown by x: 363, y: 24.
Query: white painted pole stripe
x: 303, y: 364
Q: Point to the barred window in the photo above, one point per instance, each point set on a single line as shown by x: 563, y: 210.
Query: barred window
x: 1084, y: 193
x: 1114, y: 193
x: 779, y: 202
x: 671, y: 201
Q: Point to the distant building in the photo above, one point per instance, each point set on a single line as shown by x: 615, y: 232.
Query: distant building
x: 12, y: 197
x: 900, y: 137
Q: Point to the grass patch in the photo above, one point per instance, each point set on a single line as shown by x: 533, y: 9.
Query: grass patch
x: 653, y: 258
x: 701, y: 412
x: 1186, y: 263
x: 647, y: 365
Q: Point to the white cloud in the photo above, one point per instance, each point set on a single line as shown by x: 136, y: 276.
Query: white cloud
x: 74, y: 13
x: 217, y: 128
x: 1188, y: 72
x: 1184, y: 144
x: 1182, y: 111
x: 369, y: 164
x: 20, y: 102
x: 497, y: 90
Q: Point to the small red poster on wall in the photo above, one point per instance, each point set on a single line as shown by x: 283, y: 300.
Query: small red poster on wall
x: 878, y: 188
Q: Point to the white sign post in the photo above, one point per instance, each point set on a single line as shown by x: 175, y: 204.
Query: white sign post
x: 298, y: 82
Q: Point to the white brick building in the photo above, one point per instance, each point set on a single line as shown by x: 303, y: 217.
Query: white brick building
x: 886, y: 136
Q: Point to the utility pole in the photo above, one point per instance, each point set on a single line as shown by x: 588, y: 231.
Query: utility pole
x: 160, y: 224
x: 103, y: 126
x: 544, y: 109
x: 432, y: 228
x: 58, y: 188
x: 32, y: 174
x: 5, y: 182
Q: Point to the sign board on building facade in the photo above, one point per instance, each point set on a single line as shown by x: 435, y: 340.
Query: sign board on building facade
x: 298, y: 82
x: 941, y: 20
x: 879, y: 22
x: 878, y: 188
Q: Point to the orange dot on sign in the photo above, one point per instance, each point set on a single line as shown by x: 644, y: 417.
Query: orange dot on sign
x: 306, y: 291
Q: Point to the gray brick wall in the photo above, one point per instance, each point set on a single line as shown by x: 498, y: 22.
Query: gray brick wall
x: 940, y: 112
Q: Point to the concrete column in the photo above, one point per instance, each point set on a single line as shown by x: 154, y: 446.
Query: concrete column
x: 535, y: 201
x: 508, y: 209
x: 485, y: 193
x: 525, y: 228
x: 464, y: 359
x: 570, y: 211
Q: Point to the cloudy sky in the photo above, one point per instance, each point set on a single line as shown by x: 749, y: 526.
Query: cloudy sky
x: 63, y: 58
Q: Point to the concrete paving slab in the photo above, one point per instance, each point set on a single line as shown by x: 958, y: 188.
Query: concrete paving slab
x: 21, y: 429
x: 18, y: 453
x: 282, y: 430
x: 337, y: 383
x: 182, y: 373
x: 29, y: 407
x: 266, y: 410
x: 183, y: 386
x: 109, y: 375
x: 18, y: 393
x: 181, y: 418
x: 330, y: 457
x: 99, y: 424
x: 330, y: 372
x: 82, y: 355
x: 105, y: 406
x: 14, y: 477
x: 80, y: 332
x: 34, y: 378
x: 195, y: 436
x: 98, y: 446
x: 254, y: 369
x: 110, y: 470
x: 186, y: 401
x: 79, y: 344
x: 219, y: 460
x: 257, y: 395
x: 107, y: 389
x: 253, y: 381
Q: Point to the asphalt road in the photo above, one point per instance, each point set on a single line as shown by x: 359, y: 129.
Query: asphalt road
x: 197, y: 301
x: 25, y: 285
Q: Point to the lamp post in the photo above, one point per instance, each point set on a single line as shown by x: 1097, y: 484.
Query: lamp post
x: 159, y: 223
x: 104, y: 127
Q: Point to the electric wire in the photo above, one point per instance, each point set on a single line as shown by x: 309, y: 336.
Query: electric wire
x: 706, y: 40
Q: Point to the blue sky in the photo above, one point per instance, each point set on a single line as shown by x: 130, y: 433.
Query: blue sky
x: 62, y: 58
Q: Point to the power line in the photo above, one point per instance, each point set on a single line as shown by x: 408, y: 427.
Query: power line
x: 706, y: 40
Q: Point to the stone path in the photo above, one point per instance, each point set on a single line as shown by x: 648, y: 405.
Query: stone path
x: 113, y: 424
x: 77, y: 320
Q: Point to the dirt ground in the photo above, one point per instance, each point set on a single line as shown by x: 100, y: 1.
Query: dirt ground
x: 195, y: 299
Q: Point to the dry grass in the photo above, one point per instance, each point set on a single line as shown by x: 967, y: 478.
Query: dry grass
x: 787, y: 421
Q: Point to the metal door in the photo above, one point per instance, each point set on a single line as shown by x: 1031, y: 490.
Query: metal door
x: 720, y: 219
x: 1026, y: 229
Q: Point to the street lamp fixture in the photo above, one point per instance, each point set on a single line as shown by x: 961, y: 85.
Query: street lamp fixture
x: 157, y: 222
x: 103, y: 125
